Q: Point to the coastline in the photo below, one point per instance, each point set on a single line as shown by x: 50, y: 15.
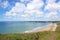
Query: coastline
x: 50, y: 27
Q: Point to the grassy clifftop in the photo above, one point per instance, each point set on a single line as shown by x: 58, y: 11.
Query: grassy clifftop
x: 58, y: 32
x: 30, y: 36
x: 46, y: 35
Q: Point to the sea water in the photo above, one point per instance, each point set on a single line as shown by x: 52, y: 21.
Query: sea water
x: 19, y: 27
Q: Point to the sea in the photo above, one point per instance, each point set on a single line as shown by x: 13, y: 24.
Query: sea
x: 7, y: 27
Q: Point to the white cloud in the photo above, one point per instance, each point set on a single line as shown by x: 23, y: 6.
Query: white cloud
x: 34, y: 12
x: 35, y: 4
x: 10, y: 14
x: 52, y: 6
x: 53, y: 9
x: 17, y: 10
x: 25, y: 0
x: 19, y: 7
x: 4, y: 4
x: 39, y: 14
x: 50, y: 1
x: 32, y: 8
x: 54, y: 18
x: 51, y: 14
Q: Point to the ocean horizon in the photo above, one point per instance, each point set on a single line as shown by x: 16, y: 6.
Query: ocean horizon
x: 20, y: 26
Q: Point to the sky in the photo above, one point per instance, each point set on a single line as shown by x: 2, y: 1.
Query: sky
x: 29, y: 10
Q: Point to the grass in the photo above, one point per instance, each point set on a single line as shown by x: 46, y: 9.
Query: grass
x: 30, y: 36
x: 58, y: 32
x: 46, y: 35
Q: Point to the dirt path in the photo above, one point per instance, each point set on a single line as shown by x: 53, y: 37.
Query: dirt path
x: 52, y: 37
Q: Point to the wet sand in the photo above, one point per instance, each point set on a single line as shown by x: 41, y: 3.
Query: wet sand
x: 51, y: 27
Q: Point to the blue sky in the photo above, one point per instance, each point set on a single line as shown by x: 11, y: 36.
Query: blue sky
x: 29, y: 10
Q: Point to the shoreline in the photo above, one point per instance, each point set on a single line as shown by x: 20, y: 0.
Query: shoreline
x: 50, y: 27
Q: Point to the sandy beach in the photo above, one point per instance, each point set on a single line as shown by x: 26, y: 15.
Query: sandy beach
x: 51, y: 27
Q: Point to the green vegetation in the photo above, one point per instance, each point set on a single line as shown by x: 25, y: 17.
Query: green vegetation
x: 27, y: 36
x: 46, y: 35
x: 58, y: 32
